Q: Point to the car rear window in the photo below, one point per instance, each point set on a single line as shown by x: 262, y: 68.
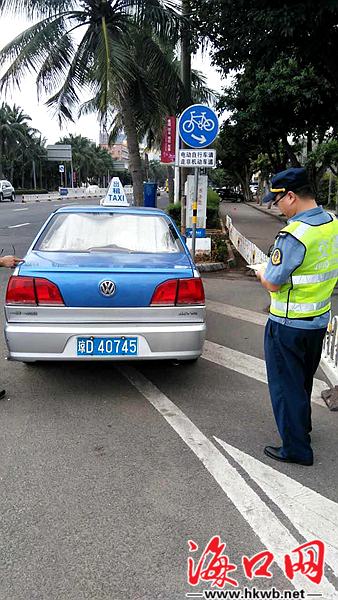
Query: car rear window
x: 109, y: 232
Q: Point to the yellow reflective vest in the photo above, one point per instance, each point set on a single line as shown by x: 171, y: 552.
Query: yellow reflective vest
x: 307, y: 293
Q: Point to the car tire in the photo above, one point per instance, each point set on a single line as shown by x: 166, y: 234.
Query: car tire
x: 238, y: 200
x: 1, y: 197
x: 13, y: 197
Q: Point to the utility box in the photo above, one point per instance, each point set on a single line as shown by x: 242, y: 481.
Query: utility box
x: 149, y: 194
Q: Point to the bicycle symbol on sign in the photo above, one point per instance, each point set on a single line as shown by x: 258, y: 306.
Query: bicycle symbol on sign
x: 200, y: 120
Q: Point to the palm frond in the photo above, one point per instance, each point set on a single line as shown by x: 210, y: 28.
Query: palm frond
x: 36, y: 9
x: 29, y: 49
x: 66, y: 99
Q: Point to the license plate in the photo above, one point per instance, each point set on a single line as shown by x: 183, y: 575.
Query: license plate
x: 114, y: 346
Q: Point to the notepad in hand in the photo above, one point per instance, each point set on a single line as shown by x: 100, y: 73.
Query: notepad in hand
x: 257, y: 266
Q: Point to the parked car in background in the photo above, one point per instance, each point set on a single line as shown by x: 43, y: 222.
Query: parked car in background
x: 106, y: 283
x: 7, y: 191
x: 228, y: 195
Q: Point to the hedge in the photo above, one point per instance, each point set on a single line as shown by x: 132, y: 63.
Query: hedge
x: 28, y: 192
x: 174, y: 211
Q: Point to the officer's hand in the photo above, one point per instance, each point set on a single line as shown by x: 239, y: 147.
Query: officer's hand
x: 260, y: 273
x: 10, y: 261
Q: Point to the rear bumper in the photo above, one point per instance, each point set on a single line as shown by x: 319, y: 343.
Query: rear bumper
x: 41, y: 341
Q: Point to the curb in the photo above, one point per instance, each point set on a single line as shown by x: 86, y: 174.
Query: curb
x: 207, y: 267
x: 267, y: 212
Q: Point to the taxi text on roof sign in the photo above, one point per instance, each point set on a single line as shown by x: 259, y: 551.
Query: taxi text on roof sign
x: 115, y: 195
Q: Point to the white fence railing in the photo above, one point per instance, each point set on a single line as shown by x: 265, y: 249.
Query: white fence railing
x: 72, y: 193
x: 75, y: 193
x: 252, y: 254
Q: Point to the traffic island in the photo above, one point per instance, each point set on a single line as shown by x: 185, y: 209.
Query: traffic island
x: 222, y: 255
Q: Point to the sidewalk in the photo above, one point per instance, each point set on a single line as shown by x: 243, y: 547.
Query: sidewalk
x: 272, y: 212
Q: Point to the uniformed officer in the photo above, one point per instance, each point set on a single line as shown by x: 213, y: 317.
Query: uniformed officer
x: 300, y: 276
x: 9, y: 261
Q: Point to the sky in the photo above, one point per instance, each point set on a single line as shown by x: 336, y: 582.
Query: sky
x: 88, y: 126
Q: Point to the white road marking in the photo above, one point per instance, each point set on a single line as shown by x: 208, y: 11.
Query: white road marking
x: 21, y: 225
x: 17, y: 209
x: 237, y: 313
x: 250, y: 366
x: 313, y: 515
x: 270, y: 530
x: 259, y: 319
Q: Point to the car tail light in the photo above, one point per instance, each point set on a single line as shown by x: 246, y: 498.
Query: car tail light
x: 21, y: 290
x: 190, y: 291
x: 47, y: 292
x: 179, y: 291
x: 33, y: 291
x: 165, y: 293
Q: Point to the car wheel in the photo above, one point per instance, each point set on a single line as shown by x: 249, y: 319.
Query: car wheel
x: 1, y: 197
x: 238, y: 200
x: 13, y: 197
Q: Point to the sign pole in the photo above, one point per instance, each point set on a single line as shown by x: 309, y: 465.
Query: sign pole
x: 71, y: 166
x: 194, y: 214
x: 177, y: 169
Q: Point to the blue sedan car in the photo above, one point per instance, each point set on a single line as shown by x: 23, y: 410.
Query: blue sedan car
x: 106, y: 283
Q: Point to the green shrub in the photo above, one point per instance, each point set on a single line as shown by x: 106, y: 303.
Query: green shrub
x: 174, y: 211
x: 212, y: 216
x: 30, y: 192
x: 212, y: 197
x: 219, y: 250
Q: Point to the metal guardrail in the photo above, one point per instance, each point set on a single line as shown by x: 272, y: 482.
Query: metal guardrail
x: 252, y: 254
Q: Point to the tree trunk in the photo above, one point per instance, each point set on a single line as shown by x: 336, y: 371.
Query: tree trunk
x: 135, y: 165
x: 146, y: 166
x: 260, y: 191
x: 290, y: 153
x: 170, y: 173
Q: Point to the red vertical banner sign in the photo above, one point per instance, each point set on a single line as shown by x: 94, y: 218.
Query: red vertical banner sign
x: 168, y: 141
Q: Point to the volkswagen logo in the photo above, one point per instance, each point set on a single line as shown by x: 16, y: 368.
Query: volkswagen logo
x: 107, y: 288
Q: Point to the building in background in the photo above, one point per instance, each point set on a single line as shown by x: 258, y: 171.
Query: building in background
x: 118, y: 150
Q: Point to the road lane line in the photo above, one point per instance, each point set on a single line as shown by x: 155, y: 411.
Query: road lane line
x: 269, y: 529
x: 259, y: 319
x: 250, y: 366
x: 21, y: 225
x: 237, y: 313
x: 315, y: 516
x: 17, y: 209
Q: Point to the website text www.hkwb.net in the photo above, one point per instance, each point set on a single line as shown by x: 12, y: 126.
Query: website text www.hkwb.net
x: 247, y: 593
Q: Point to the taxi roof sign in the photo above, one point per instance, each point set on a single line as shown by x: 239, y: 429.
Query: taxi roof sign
x: 115, y: 195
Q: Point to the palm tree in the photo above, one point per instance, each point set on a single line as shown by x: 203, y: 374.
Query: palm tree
x: 103, y: 61
x: 89, y: 161
x: 12, y: 131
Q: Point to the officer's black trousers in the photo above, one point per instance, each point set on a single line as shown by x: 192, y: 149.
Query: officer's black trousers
x: 292, y: 357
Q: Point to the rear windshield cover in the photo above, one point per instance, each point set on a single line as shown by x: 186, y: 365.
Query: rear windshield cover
x: 109, y: 232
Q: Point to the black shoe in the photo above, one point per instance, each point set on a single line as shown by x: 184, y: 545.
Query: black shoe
x: 2, y: 394
x: 274, y: 453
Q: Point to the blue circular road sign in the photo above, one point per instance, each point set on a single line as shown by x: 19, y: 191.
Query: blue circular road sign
x: 198, y: 126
